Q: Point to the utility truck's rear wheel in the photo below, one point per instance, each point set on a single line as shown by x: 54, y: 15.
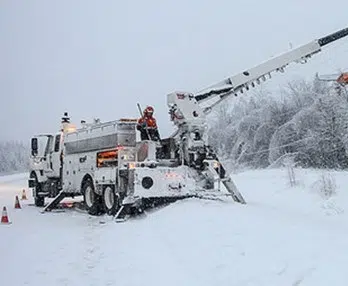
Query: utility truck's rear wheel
x: 92, y: 200
x: 111, y: 201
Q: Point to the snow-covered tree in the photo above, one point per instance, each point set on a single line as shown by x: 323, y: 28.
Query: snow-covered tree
x: 306, y: 121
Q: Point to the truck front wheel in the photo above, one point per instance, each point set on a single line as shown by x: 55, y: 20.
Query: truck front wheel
x: 38, y: 200
x: 92, y: 200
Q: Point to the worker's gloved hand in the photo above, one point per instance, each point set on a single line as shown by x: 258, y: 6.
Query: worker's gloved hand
x: 141, y: 125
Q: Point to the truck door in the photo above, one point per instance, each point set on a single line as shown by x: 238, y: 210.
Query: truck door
x: 54, y: 156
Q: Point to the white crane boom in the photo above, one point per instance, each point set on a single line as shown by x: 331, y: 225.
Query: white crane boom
x: 249, y: 78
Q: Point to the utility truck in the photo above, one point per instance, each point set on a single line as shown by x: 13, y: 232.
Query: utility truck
x: 113, y: 172
x: 116, y: 174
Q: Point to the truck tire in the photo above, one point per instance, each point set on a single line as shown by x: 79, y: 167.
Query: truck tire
x: 92, y: 200
x: 39, y: 201
x: 111, y: 201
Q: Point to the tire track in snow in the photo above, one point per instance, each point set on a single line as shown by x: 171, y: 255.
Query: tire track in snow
x: 93, y: 254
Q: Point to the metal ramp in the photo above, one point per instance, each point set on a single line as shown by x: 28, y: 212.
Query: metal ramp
x: 219, y: 176
x: 140, y: 206
x: 233, y: 190
x: 55, y: 202
x: 123, y: 212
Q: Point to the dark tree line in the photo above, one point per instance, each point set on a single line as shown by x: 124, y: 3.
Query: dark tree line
x: 14, y: 156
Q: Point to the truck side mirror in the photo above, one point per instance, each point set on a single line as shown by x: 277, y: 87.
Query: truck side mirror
x: 34, y: 146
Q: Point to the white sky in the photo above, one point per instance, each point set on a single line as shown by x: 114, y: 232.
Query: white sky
x: 99, y: 58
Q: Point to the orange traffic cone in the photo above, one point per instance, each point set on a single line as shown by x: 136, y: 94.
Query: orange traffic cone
x: 17, y: 204
x: 4, y: 217
x: 24, y: 196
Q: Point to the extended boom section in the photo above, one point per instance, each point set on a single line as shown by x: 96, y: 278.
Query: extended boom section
x: 333, y: 37
x: 250, y: 78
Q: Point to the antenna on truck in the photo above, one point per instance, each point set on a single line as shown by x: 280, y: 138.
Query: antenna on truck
x: 65, y: 118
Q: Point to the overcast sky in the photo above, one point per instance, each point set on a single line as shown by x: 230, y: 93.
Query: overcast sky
x: 99, y: 58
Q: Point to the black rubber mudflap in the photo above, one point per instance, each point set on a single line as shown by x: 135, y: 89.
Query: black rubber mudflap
x: 138, y: 209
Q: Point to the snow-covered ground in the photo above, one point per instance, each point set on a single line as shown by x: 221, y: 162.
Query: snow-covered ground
x: 284, y: 236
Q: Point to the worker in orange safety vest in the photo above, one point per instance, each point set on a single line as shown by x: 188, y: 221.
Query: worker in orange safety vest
x: 147, y: 125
